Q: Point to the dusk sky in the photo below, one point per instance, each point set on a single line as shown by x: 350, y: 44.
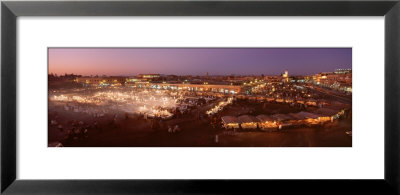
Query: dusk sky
x: 197, y: 61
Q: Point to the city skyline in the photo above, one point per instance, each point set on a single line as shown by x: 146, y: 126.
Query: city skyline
x: 197, y: 61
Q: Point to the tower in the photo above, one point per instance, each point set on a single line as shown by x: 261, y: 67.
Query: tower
x: 285, y: 76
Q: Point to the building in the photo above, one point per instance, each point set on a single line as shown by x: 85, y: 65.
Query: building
x: 101, y: 80
x: 149, y: 76
x: 224, y: 89
x: 340, y: 80
x: 343, y: 71
x: 273, y: 79
x: 134, y: 80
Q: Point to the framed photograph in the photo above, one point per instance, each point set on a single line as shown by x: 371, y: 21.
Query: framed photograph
x: 199, y: 96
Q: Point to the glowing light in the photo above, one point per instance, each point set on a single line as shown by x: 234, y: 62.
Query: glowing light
x: 219, y: 106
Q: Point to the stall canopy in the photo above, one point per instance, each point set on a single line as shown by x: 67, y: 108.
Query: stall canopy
x: 229, y: 119
x: 264, y: 118
x: 296, y: 116
x: 248, y: 119
x: 281, y: 117
x: 308, y: 115
x: 326, y: 111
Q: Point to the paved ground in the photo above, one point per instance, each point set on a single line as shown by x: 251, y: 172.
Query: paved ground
x: 196, y: 132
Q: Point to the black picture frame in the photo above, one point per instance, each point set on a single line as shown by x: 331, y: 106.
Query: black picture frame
x: 10, y: 10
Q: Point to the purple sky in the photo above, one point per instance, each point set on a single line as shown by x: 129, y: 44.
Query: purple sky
x: 197, y: 61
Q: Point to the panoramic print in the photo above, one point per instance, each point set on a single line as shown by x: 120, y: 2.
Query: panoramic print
x: 199, y: 97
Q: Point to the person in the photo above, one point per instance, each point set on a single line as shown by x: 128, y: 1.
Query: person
x: 77, y: 132
x: 160, y: 123
x: 176, y: 129
x: 82, y: 132
x: 69, y: 135
x: 60, y: 127
x: 74, y: 123
x: 53, y: 122
x: 114, y: 121
x: 96, y: 126
x: 85, y: 133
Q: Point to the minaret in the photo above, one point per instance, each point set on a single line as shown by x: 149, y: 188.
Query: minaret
x: 285, y: 76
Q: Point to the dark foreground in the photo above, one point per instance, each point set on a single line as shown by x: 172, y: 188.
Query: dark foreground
x: 198, y: 132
